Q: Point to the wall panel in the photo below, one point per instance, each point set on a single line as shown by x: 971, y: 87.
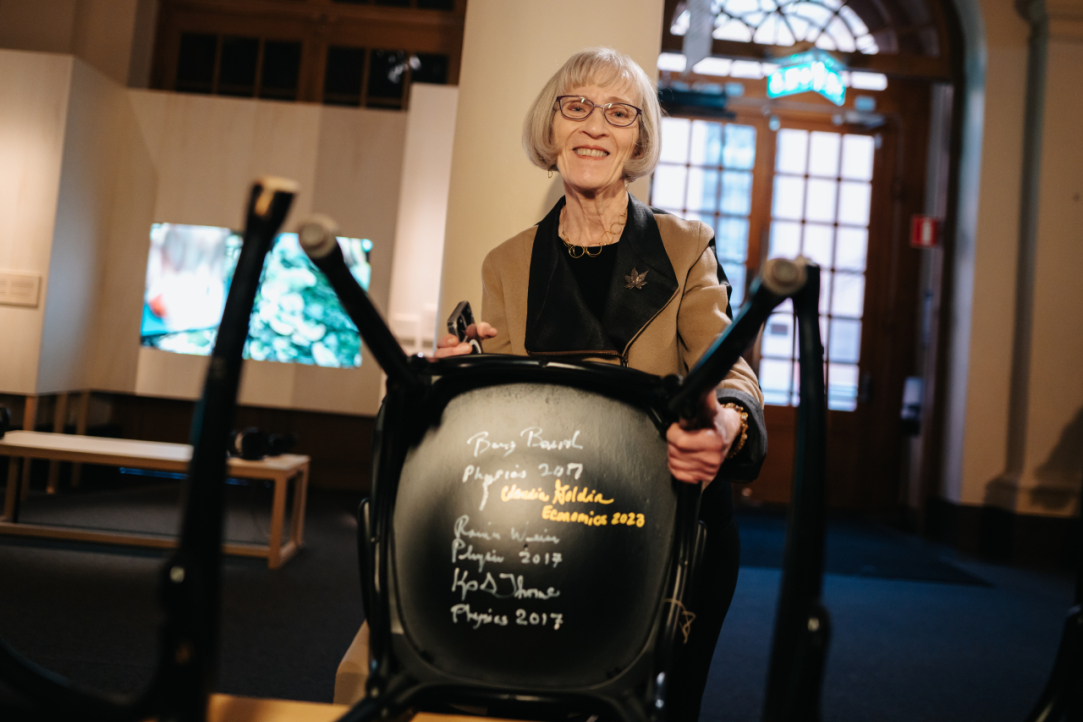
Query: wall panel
x: 124, y: 261
x: 33, y: 112
x: 83, y: 215
x: 419, y: 244
x: 208, y: 149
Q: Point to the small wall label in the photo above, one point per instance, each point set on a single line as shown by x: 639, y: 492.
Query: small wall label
x: 19, y: 289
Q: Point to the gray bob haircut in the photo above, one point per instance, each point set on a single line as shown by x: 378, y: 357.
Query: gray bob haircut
x: 595, y: 66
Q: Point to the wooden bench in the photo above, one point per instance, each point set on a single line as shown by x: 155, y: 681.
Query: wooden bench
x: 28, y: 445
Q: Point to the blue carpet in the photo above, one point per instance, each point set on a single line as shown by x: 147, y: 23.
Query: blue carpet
x: 855, y: 547
x: 904, y: 651
x: 919, y: 633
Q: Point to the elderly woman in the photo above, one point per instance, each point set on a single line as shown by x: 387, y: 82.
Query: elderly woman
x: 606, y: 278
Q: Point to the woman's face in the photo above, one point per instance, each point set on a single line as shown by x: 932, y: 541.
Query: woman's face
x: 591, y: 153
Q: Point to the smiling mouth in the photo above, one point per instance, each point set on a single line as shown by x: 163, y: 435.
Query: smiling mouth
x: 591, y: 153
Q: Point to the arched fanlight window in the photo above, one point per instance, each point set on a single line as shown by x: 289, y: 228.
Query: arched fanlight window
x: 863, y: 32
x: 827, y: 24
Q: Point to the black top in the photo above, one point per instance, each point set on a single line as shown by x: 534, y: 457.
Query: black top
x: 554, y: 296
x: 592, y: 275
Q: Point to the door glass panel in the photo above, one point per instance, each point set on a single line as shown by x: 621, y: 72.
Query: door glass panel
x: 791, y: 154
x: 675, y: 133
x: 706, y: 143
x: 789, y: 197
x: 857, y: 153
x: 705, y: 174
x: 844, y: 343
x: 785, y: 240
x: 736, y: 192
x: 822, y: 193
x: 854, y: 201
x: 818, y: 243
x: 778, y: 336
x: 776, y: 376
x: 850, y: 247
x: 667, y: 190
x: 824, y: 155
x: 849, y: 296
x: 739, y: 151
x: 820, y: 201
x: 702, y: 190
x: 731, y: 235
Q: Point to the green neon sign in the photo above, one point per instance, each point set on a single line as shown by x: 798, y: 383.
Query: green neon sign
x: 813, y: 71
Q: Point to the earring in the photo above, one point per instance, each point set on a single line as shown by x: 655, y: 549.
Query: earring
x: 550, y: 172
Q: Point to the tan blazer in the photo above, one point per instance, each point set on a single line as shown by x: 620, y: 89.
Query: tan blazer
x: 679, y: 327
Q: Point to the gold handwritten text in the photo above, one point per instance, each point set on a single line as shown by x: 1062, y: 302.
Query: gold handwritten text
x: 588, y: 518
x: 514, y: 493
x: 565, y: 494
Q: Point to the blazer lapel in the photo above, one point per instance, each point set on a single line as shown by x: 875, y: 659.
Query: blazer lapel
x: 557, y: 319
x: 643, y: 280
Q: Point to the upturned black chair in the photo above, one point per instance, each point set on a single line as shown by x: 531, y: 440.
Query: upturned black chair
x: 526, y: 549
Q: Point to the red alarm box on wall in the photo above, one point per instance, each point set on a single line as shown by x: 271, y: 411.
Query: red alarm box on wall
x: 924, y: 232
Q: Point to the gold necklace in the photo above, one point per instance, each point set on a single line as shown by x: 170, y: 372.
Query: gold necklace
x: 576, y: 251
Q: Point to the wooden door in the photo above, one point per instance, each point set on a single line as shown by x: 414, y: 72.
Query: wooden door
x: 805, y: 183
x: 825, y: 182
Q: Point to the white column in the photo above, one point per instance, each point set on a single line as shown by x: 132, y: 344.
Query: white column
x: 1051, y: 471
x: 419, y: 234
x: 510, y: 49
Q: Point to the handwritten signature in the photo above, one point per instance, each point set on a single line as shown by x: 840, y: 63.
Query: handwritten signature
x: 462, y: 583
x: 534, y: 440
x: 522, y: 536
x: 461, y: 530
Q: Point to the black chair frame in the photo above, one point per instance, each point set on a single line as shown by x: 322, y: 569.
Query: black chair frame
x: 417, y: 391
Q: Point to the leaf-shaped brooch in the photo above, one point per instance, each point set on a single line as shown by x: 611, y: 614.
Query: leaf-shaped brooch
x: 636, y: 279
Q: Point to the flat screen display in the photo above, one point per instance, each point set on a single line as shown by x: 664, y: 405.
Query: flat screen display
x: 296, y: 318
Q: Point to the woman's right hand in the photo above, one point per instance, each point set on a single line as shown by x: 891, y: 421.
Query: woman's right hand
x: 450, y: 345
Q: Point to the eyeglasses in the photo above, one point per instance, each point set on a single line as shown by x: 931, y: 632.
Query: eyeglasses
x: 620, y: 115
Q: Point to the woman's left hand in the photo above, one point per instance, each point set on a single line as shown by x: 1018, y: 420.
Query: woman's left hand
x: 695, y: 454
x: 450, y: 345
